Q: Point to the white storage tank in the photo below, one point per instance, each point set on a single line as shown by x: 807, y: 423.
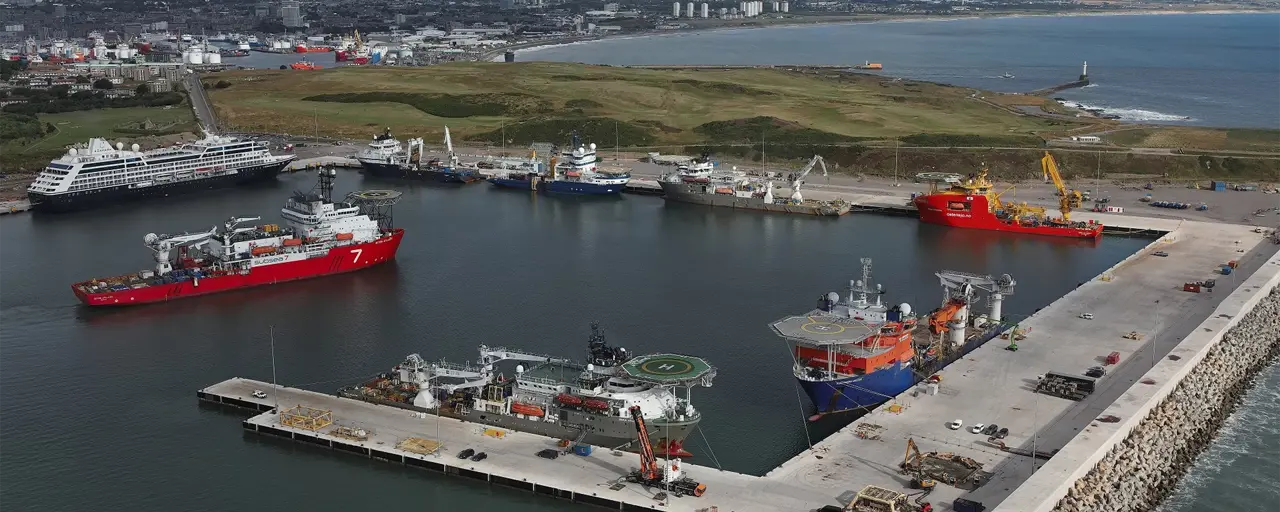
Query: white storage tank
x: 195, y: 56
x: 675, y: 9
x: 406, y: 52
x: 212, y: 57
x: 786, y: 6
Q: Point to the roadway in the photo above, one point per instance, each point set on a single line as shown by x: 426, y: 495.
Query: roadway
x: 200, y: 103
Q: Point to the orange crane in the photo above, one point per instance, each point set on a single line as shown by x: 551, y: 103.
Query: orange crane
x: 669, y: 478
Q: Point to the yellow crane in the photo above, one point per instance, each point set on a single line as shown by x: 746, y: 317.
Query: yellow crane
x: 1070, y: 198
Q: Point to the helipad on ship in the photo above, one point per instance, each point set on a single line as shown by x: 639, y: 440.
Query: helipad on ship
x: 1144, y: 294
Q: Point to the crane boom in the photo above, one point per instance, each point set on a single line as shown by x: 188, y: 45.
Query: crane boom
x: 648, y: 462
x: 795, y: 184
x: 1070, y: 198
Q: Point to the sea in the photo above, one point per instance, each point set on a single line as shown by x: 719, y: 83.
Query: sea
x: 98, y: 408
x: 1218, y: 70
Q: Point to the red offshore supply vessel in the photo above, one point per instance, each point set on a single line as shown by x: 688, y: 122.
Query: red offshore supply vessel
x: 319, y: 237
x: 972, y: 203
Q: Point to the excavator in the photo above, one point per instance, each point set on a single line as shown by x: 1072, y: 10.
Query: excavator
x: 1069, y: 198
x: 649, y: 475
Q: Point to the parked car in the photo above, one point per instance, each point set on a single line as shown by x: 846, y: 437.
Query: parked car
x: 259, y: 394
x: 955, y: 425
x: 466, y: 454
x: 1161, y: 254
x: 991, y: 429
x: 1086, y: 316
x: 1002, y: 433
x: 479, y: 457
x: 977, y: 428
x: 1096, y: 372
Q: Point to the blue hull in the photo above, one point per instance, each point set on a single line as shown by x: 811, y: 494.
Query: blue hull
x: 863, y: 392
x: 560, y: 187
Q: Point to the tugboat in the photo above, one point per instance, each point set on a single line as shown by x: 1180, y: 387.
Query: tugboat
x: 584, y: 404
x: 578, y: 175
x: 320, y: 237
x: 973, y: 203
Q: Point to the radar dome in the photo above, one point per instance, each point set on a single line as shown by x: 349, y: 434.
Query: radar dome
x: 591, y: 367
x: 150, y: 238
x: 135, y: 147
x: 519, y: 368
x: 119, y: 146
x: 73, y: 152
x: 833, y: 297
x: 578, y: 152
x: 593, y: 146
x: 904, y: 308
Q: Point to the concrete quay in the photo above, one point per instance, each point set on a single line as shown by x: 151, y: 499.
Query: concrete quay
x: 512, y: 459
x: 1143, y: 293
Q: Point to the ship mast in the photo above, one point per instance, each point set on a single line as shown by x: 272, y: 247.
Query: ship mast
x: 862, y: 287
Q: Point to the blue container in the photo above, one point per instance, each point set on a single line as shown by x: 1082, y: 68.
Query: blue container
x: 582, y: 449
x: 1218, y: 186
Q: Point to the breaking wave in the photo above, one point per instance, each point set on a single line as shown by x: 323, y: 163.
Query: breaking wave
x: 1128, y: 114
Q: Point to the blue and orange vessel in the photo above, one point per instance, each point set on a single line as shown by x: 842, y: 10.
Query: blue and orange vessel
x: 855, y: 352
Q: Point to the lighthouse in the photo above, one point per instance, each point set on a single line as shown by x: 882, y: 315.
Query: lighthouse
x: 1084, y: 71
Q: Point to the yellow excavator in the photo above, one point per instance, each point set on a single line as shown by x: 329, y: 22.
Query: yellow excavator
x: 1069, y: 198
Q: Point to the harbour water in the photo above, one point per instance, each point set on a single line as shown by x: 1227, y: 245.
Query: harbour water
x: 1143, y: 67
x: 99, y: 411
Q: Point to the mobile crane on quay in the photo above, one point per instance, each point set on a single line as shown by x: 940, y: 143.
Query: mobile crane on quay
x: 669, y: 478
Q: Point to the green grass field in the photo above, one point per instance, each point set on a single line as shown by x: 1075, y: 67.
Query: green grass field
x: 115, y: 124
x: 541, y: 101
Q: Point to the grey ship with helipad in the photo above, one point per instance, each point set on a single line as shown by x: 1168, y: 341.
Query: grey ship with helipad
x: 555, y: 397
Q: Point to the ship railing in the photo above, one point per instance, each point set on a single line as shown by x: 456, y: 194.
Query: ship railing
x: 540, y: 380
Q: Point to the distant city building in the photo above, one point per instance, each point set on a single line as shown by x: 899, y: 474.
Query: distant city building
x: 262, y: 11
x: 291, y: 14
x: 13, y: 28
x: 611, y: 7
x: 59, y: 11
x: 160, y: 85
x: 401, y: 19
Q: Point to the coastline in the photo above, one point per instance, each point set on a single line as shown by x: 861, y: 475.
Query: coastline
x: 535, y: 46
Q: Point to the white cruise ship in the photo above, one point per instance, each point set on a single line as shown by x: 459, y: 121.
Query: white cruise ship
x: 96, y: 173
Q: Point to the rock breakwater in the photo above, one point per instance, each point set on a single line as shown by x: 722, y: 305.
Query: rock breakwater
x: 1140, y: 472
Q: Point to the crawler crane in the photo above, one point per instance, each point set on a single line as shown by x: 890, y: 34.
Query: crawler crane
x: 668, y: 477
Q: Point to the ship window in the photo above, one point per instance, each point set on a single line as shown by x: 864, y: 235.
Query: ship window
x: 960, y: 206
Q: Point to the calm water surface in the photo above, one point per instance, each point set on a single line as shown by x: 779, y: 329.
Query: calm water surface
x: 97, y: 408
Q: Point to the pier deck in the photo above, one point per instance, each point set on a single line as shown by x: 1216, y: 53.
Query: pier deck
x: 990, y: 385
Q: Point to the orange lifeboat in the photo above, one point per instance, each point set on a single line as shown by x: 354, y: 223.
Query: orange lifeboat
x: 304, y: 65
x: 526, y: 409
x: 345, y: 236
x: 259, y: 251
x: 292, y: 242
x: 599, y: 405
x: 568, y: 399
x: 724, y: 190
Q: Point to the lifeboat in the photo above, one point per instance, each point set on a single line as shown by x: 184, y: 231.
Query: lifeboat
x: 292, y: 242
x: 724, y: 190
x: 259, y: 251
x: 526, y: 409
x: 573, y: 174
x: 344, y: 236
x: 696, y: 179
x: 568, y: 399
x: 598, y: 405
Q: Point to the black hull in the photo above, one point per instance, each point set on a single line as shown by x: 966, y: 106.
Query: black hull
x: 75, y: 201
x: 404, y: 172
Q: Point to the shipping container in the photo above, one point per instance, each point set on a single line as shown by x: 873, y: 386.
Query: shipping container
x: 1191, y: 287
x: 582, y: 449
x: 1218, y: 186
x: 1113, y: 358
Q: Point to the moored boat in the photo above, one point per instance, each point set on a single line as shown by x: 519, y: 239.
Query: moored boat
x: 700, y: 183
x: 319, y: 237
x: 577, y: 175
x: 586, y: 404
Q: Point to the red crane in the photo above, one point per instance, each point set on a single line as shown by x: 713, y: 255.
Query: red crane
x: 649, y: 475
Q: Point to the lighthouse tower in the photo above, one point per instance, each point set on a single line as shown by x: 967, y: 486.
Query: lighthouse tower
x: 1084, y: 71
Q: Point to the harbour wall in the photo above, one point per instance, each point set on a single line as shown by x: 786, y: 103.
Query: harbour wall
x: 1169, y: 417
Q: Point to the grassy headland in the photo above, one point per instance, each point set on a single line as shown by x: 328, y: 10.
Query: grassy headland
x: 854, y: 120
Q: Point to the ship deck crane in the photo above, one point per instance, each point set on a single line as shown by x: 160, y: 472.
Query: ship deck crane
x: 799, y: 179
x: 448, y: 144
x: 650, y: 476
x: 1069, y: 198
x: 162, y: 244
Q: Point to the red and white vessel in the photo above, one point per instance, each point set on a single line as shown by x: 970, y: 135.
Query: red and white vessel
x: 973, y: 203
x: 319, y: 237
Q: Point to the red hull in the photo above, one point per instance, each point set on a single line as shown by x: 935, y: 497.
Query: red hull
x: 972, y: 212
x: 339, y: 260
